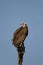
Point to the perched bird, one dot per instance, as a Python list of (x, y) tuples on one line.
[(20, 35)]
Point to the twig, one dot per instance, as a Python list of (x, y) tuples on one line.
[(21, 51)]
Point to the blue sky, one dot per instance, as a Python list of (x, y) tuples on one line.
[(12, 13)]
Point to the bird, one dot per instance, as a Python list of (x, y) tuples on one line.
[(20, 35)]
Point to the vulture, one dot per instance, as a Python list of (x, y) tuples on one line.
[(20, 35)]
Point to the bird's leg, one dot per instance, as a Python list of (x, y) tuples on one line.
[(21, 44)]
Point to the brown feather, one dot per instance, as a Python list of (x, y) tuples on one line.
[(19, 35)]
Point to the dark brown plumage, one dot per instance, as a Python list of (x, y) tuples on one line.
[(20, 35)]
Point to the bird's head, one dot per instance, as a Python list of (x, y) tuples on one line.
[(23, 25)]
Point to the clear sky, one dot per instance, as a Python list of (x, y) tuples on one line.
[(12, 13)]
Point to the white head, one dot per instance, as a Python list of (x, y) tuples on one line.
[(23, 25)]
